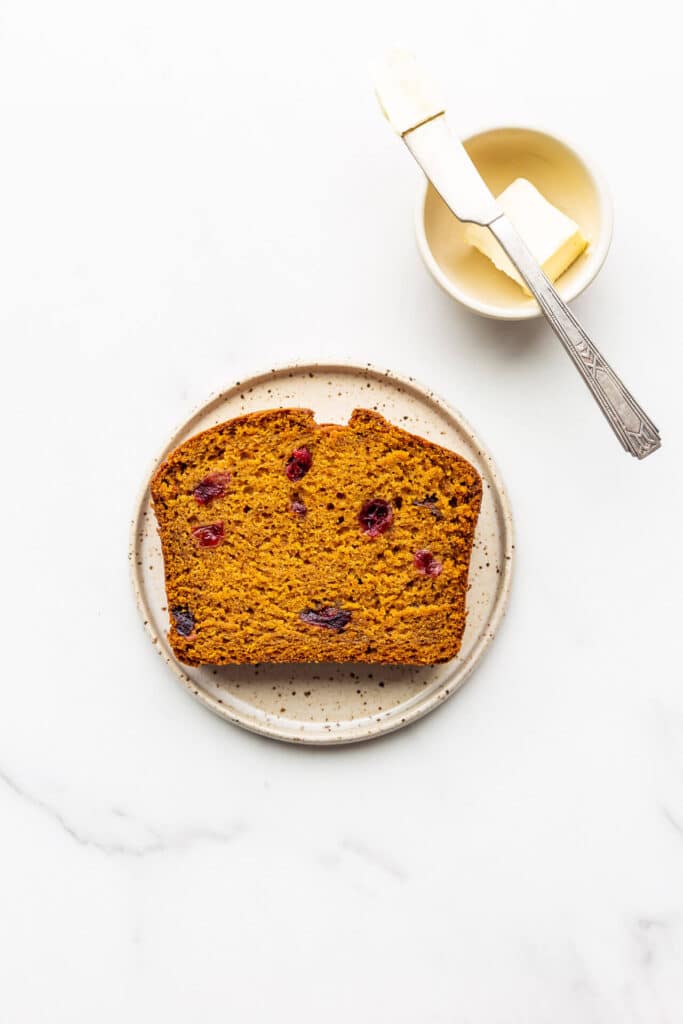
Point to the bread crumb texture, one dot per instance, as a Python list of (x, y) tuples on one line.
[(285, 540)]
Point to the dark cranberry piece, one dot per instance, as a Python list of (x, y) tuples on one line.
[(212, 486), (333, 617), (425, 563), (208, 536), (297, 507), (183, 620), (429, 502), (376, 516), (298, 464)]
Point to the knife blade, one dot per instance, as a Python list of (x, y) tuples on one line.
[(416, 112)]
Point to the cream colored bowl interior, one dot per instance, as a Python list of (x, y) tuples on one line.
[(564, 178)]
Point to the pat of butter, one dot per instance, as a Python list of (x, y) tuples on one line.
[(553, 238)]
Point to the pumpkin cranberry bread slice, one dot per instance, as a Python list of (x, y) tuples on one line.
[(285, 540)]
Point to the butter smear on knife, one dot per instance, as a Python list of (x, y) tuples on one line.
[(408, 98), (554, 239)]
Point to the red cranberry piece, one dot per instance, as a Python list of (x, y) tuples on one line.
[(297, 507), (298, 464), (212, 486), (429, 502), (425, 563), (183, 620), (332, 617), (376, 516), (208, 536)]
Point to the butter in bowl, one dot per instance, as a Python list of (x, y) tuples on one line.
[(556, 200)]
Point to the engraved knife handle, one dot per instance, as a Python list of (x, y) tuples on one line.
[(635, 430)]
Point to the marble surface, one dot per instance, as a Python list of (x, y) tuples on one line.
[(191, 193)]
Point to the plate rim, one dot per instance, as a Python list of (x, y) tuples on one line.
[(382, 726)]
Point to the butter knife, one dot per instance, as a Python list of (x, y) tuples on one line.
[(415, 110)]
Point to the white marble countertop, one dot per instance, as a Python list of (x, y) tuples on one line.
[(194, 192)]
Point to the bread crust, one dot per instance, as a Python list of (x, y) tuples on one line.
[(275, 584)]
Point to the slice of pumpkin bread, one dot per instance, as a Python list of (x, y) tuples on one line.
[(285, 540)]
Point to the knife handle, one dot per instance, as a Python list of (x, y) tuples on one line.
[(634, 429)]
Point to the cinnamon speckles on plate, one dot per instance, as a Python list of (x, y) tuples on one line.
[(326, 707)]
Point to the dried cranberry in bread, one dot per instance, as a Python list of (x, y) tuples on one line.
[(285, 540)]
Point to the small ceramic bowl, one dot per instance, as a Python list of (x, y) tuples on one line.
[(564, 177)]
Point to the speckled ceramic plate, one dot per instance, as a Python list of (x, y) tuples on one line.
[(337, 703)]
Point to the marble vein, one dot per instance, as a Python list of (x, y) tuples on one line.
[(156, 841), (673, 821), (648, 929), (376, 858)]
